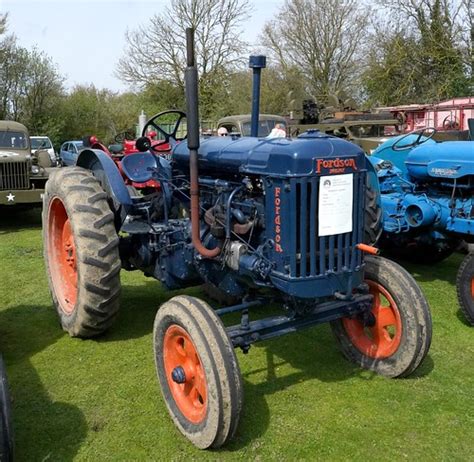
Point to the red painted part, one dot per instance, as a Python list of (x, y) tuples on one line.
[(62, 256), (383, 339), (191, 396), (98, 145), (368, 249)]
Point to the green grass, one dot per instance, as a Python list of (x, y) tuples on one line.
[(99, 399)]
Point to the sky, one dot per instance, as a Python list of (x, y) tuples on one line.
[(86, 38)]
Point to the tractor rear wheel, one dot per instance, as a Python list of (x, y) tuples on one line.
[(81, 252), (373, 216), (198, 371), (6, 431), (465, 287), (396, 337)]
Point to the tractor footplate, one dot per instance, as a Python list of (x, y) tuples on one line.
[(264, 329)]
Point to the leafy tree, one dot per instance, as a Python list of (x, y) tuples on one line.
[(321, 40), (418, 55), (156, 53)]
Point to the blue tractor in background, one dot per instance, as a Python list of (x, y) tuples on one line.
[(427, 191), (285, 222)]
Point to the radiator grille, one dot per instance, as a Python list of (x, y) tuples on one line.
[(311, 255), (14, 175)]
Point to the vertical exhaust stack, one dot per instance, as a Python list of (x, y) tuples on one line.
[(257, 63), (192, 109)]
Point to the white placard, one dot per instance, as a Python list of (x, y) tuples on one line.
[(335, 204)]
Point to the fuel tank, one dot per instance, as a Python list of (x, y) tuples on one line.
[(451, 159), (311, 153)]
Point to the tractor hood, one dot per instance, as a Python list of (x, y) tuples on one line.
[(309, 154), (451, 159)]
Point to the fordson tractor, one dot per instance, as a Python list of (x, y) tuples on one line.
[(427, 192), (270, 221)]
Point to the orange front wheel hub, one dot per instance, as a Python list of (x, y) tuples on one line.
[(185, 374), (62, 256), (380, 338)]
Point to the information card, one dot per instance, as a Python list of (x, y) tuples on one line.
[(335, 204)]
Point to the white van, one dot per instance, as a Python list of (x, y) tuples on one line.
[(43, 143)]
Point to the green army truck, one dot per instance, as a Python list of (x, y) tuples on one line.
[(23, 175)]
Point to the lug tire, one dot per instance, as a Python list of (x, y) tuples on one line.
[(217, 294), (87, 302), (465, 287), (6, 431), (373, 217), (412, 337), (211, 421)]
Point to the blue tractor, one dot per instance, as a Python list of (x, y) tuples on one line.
[(427, 191), (267, 221)]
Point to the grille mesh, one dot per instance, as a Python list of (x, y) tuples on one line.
[(14, 175)]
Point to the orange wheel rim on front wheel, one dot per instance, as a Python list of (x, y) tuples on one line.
[(185, 374), (382, 337), (62, 256)]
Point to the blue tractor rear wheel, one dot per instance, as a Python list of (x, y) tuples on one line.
[(465, 287)]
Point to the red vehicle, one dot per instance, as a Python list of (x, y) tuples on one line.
[(158, 135), (448, 117)]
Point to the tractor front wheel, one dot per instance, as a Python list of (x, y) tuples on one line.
[(465, 287), (198, 371), (81, 252), (395, 338)]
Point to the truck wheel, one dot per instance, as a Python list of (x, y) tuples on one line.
[(81, 252), (465, 287), (198, 371), (6, 431), (396, 338), (373, 217)]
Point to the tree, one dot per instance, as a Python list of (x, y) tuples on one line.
[(418, 55), (320, 39), (156, 53)]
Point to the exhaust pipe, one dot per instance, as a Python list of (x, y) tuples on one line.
[(257, 63), (192, 113)]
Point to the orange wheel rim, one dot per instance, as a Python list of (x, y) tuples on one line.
[(185, 374), (383, 338), (62, 256), (472, 288)]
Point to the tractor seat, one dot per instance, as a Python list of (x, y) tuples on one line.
[(139, 167)]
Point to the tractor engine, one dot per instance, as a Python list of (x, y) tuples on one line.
[(261, 201), (433, 190)]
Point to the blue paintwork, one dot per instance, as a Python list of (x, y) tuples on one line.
[(276, 157), (432, 196), (106, 171)]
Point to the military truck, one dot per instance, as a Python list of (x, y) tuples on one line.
[(23, 174)]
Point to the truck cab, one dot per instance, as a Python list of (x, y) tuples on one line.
[(23, 175)]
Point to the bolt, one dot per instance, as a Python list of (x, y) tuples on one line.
[(178, 375)]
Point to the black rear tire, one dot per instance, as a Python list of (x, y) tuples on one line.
[(373, 217), (410, 342), (211, 421), (90, 304), (6, 430), (465, 287)]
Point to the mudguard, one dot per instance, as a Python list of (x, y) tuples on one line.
[(105, 170)]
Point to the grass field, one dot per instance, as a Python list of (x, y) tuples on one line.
[(99, 399)]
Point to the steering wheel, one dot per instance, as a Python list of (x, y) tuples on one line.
[(126, 135), (450, 123), (426, 133), (169, 137)]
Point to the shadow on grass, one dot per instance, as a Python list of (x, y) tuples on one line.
[(445, 270), (14, 219), (43, 429)]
